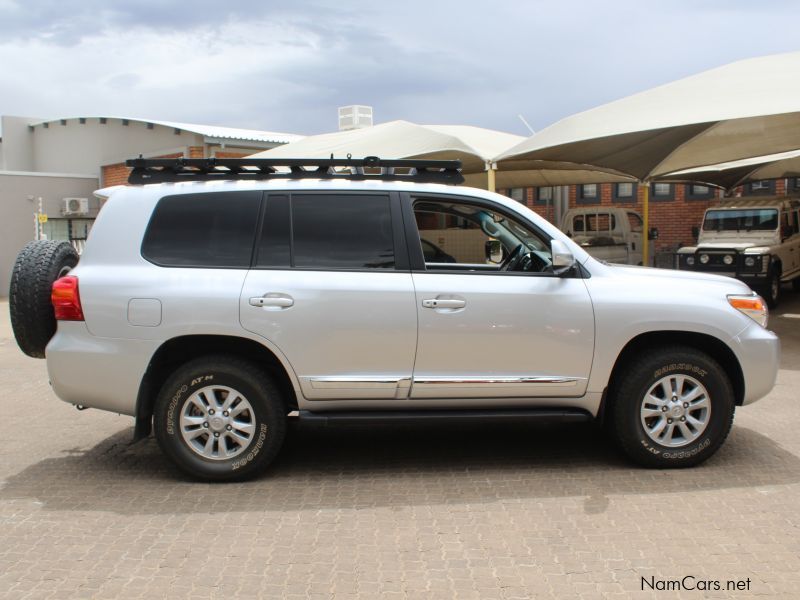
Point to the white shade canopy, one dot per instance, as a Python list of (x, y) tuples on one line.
[(473, 146), (731, 174), (740, 110)]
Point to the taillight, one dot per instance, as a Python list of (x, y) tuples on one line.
[(66, 299)]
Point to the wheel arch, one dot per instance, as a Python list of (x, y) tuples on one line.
[(714, 347), (179, 350)]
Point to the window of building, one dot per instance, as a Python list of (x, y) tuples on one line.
[(589, 193), (337, 231), (696, 191), (517, 194), (544, 195), (763, 187), (203, 230), (624, 192), (662, 191)]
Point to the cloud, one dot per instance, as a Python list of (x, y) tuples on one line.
[(287, 66)]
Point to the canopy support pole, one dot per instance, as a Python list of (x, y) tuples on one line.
[(490, 177), (646, 223)]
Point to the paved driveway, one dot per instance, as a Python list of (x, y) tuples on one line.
[(467, 512)]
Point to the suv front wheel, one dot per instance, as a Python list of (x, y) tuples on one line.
[(220, 418), (672, 408)]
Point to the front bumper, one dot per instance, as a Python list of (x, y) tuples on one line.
[(97, 372), (759, 354)]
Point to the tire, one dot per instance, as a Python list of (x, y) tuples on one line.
[(796, 284), (37, 266), (633, 408), (208, 382), (772, 289)]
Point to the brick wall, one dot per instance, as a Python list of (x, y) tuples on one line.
[(117, 174), (674, 218)]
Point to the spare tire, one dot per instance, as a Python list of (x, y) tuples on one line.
[(38, 265)]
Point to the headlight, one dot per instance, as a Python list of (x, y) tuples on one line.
[(753, 306), (704, 258), (727, 259), (750, 261), (690, 261)]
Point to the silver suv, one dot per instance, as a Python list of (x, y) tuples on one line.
[(230, 297)]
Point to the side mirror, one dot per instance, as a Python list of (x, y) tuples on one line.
[(786, 232), (695, 232), (494, 251), (563, 260), (653, 233)]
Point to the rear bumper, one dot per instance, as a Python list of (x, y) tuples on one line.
[(759, 353), (97, 372)]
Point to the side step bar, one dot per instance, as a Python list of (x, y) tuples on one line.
[(419, 417)]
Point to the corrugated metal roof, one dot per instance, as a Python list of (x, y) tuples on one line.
[(210, 131)]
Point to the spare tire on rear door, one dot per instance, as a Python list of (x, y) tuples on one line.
[(38, 265)]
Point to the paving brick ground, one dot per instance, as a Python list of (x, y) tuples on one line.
[(504, 512)]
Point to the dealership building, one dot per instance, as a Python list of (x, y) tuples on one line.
[(49, 169)]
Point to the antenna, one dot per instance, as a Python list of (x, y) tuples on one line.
[(524, 122)]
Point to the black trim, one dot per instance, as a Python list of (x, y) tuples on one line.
[(615, 197), (581, 199), (768, 191), (538, 200), (659, 198), (402, 262), (419, 417), (709, 195), (165, 170)]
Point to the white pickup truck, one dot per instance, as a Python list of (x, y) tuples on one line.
[(609, 233)]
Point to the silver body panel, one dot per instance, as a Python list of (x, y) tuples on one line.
[(353, 340)]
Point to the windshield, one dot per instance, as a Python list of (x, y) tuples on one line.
[(751, 219)]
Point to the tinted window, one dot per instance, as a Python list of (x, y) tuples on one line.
[(273, 247), (203, 230), (337, 231)]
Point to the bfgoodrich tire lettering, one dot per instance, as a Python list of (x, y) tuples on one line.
[(634, 420), (37, 266), (220, 418)]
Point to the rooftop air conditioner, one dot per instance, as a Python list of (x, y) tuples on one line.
[(75, 206)]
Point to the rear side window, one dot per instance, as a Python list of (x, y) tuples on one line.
[(337, 231), (203, 230)]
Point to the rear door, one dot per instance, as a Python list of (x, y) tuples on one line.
[(331, 289)]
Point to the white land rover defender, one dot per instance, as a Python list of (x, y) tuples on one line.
[(756, 240), (230, 296)]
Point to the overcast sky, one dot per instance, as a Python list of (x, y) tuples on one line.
[(286, 66)]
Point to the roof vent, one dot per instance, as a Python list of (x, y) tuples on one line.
[(354, 116)]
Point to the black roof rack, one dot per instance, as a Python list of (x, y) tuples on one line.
[(163, 170)]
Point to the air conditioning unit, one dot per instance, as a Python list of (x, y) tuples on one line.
[(354, 117), (75, 206)]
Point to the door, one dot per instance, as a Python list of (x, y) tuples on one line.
[(500, 329), (636, 237), (331, 289)]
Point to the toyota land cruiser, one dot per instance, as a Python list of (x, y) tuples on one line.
[(216, 299)]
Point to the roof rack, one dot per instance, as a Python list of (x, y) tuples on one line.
[(164, 170)]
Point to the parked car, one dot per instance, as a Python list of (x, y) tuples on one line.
[(756, 240), (214, 309), (611, 234)]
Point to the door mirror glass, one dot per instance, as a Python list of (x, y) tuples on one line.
[(563, 260), (494, 251)]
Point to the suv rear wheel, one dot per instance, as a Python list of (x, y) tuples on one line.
[(673, 408), (220, 418)]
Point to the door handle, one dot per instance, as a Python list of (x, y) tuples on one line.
[(272, 300), (443, 303)]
